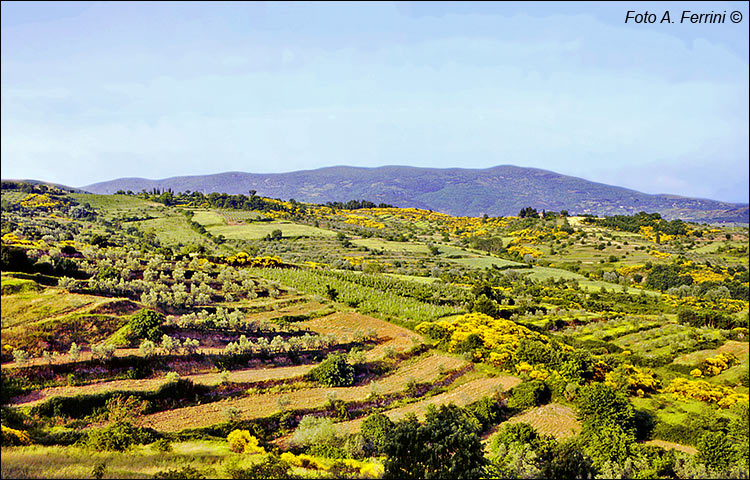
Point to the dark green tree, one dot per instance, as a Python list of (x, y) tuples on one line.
[(377, 429), (146, 324), (334, 371), (447, 445)]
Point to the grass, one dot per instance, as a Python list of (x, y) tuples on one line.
[(30, 307), (152, 384), (10, 285), (172, 230), (389, 246), (208, 218), (140, 462), (345, 324), (254, 406), (257, 231), (669, 409), (464, 394), (13, 196), (114, 203)]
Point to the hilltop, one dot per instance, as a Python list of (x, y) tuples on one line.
[(496, 191)]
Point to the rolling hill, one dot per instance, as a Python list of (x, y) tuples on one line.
[(501, 190)]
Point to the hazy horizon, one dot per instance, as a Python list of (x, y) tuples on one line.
[(92, 92)]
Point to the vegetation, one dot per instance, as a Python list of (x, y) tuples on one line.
[(184, 335)]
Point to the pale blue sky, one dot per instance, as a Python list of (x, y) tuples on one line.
[(96, 91)]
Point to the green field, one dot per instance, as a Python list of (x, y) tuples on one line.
[(115, 203), (257, 231), (209, 218), (172, 230), (389, 246)]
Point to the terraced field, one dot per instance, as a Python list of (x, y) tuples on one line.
[(461, 395), (151, 384), (551, 419), (423, 369), (349, 324), (30, 307)]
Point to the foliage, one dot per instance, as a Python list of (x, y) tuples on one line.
[(724, 397), (377, 428), (601, 404), (634, 380), (146, 324), (240, 441), (334, 371), (13, 437), (716, 451), (119, 437), (271, 467), (529, 394), (518, 433), (564, 460), (447, 445), (314, 430)]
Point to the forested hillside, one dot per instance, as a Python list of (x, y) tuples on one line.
[(502, 190)]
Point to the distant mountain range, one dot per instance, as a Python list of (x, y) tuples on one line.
[(501, 190)]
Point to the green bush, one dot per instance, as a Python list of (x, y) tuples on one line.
[(529, 394), (119, 437), (334, 371), (377, 428), (514, 433), (716, 451), (327, 451), (146, 324), (315, 430), (163, 445)]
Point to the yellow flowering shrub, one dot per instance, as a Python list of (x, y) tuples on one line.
[(701, 390), (499, 336), (716, 365), (633, 379), (240, 441), (13, 437)]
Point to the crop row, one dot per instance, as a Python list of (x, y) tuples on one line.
[(367, 299)]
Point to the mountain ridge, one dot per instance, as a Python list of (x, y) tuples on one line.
[(498, 190)]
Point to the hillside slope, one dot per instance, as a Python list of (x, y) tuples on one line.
[(501, 190)]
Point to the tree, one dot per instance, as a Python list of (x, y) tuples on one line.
[(20, 356), (515, 433), (529, 394), (240, 441), (447, 445), (314, 430), (564, 460), (377, 429), (716, 451), (146, 324), (602, 404), (334, 371), (75, 351)]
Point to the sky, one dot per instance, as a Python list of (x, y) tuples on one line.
[(97, 91)]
